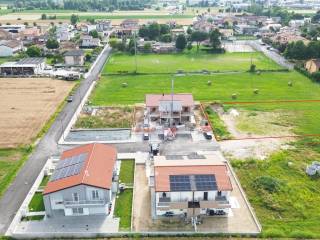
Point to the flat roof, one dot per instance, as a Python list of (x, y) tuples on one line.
[(153, 100)]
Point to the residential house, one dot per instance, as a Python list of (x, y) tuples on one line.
[(203, 26), (88, 41), (296, 23), (103, 25), (82, 182), (25, 66), (312, 65), (127, 28), (163, 107), (64, 33), (245, 29), (191, 185), (87, 28), (74, 58), (226, 33), (9, 47), (30, 34)]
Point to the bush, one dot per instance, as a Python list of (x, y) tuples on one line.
[(234, 96), (290, 84), (209, 83), (267, 183), (256, 91), (252, 68), (124, 85)]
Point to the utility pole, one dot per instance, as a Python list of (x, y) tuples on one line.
[(172, 92), (135, 52)]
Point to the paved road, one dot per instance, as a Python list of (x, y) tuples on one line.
[(14, 196), (271, 54)]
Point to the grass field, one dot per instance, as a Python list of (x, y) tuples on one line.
[(36, 204), (127, 171), (291, 209), (192, 61), (271, 85)]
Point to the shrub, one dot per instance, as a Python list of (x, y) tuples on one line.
[(252, 68), (290, 84), (209, 83), (267, 183), (256, 91), (234, 96), (124, 85)]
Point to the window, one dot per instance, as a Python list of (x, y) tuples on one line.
[(75, 197), (219, 193), (95, 194), (164, 195), (205, 196), (76, 211)]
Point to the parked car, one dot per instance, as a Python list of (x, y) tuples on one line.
[(70, 98), (146, 136), (168, 214), (207, 135)]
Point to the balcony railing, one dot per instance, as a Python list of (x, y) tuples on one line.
[(84, 202)]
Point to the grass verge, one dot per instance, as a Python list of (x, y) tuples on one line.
[(123, 208), (219, 129), (36, 204), (127, 171)]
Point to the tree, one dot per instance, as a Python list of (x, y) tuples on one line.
[(164, 29), (189, 46), (113, 43), (94, 33), (181, 42), (215, 39), (44, 16), (34, 51), (88, 57), (154, 31), (143, 31), (147, 47), (198, 37), (189, 30), (165, 38), (74, 19), (52, 43)]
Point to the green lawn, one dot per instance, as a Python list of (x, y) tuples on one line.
[(293, 209), (188, 61), (44, 181), (271, 85), (36, 204), (219, 129), (10, 161), (127, 171), (124, 199), (123, 209)]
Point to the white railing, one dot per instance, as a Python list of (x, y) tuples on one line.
[(84, 202)]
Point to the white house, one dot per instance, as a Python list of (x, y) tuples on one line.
[(191, 185), (9, 47), (82, 182), (89, 41)]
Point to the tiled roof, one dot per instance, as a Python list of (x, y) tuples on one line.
[(97, 169), (153, 100)]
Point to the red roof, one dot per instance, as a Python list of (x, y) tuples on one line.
[(97, 169), (162, 175), (153, 100)]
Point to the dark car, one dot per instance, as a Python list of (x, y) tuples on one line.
[(70, 99), (207, 135), (168, 214), (146, 136)]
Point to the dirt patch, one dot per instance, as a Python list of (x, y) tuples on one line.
[(105, 117), (244, 124), (26, 104)]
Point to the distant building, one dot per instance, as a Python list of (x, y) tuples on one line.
[(176, 32), (5, 35), (163, 107), (312, 65), (191, 185), (103, 25), (13, 28), (245, 29), (226, 33), (128, 27), (89, 41), (30, 34), (82, 182), (25, 66), (64, 33), (74, 58), (9, 47)]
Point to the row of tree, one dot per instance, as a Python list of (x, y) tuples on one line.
[(82, 5), (300, 51)]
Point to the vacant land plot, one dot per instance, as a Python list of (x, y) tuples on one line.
[(26, 104), (188, 61), (272, 86), (106, 117), (285, 199)]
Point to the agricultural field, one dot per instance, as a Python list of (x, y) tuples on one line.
[(26, 105), (188, 61)]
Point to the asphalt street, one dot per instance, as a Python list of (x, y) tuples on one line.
[(47, 146)]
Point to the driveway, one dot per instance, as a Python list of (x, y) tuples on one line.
[(15, 194)]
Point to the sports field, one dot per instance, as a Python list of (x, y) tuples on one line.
[(188, 61)]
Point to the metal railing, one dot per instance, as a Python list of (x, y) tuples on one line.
[(84, 202)]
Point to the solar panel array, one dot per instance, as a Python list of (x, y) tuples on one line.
[(204, 182), (180, 183), (69, 167)]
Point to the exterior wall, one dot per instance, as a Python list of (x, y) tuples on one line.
[(63, 201), (6, 51), (311, 67), (74, 60)]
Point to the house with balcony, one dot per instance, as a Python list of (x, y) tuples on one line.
[(83, 182), (191, 185), (163, 107)]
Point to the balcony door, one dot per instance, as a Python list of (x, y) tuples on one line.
[(205, 196), (75, 197)]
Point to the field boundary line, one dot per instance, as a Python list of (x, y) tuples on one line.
[(274, 101)]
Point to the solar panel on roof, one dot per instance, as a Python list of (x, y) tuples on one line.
[(180, 183), (69, 166), (205, 182)]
